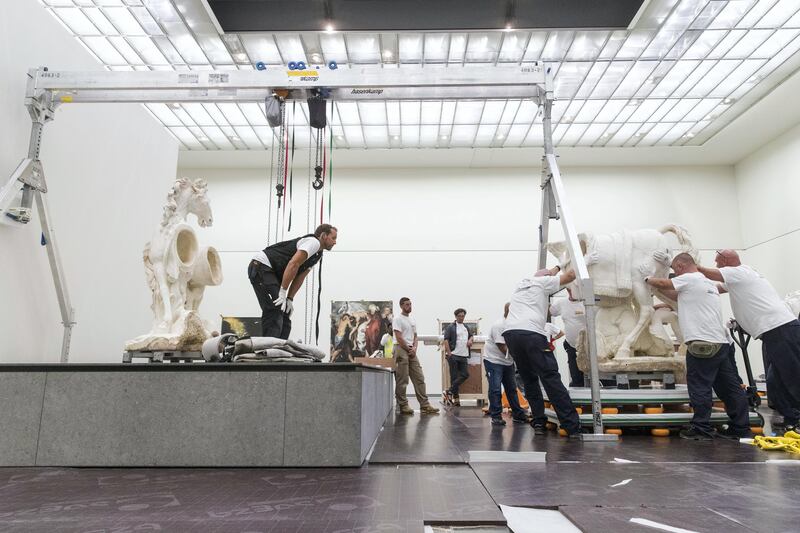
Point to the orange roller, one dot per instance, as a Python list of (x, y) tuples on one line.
[(653, 410), (610, 411), (659, 432), (613, 431), (757, 430), (580, 410), (562, 432)]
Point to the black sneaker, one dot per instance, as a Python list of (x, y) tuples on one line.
[(731, 434), (692, 433), (447, 398), (497, 421), (539, 429), (520, 420), (576, 434), (783, 429)]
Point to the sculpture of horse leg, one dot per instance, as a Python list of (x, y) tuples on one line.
[(163, 289), (644, 301)]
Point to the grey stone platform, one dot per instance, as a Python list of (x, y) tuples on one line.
[(191, 414)]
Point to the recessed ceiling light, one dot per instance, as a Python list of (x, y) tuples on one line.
[(728, 101), (634, 103), (235, 138), (443, 137), (316, 58), (689, 135), (387, 54), (753, 79), (395, 137), (508, 27), (329, 28), (339, 138), (500, 136), (175, 106), (202, 138), (605, 135), (240, 57), (638, 134)]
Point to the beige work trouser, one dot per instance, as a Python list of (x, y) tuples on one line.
[(408, 367)]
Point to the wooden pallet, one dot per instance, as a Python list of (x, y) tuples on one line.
[(162, 356)]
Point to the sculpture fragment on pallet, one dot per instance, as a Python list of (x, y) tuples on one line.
[(178, 270)]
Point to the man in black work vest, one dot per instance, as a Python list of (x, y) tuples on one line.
[(278, 272)]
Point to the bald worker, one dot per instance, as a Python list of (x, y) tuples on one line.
[(708, 361), (764, 315)]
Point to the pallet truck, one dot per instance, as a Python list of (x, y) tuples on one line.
[(742, 340)]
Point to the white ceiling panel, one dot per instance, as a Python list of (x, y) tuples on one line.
[(659, 83)]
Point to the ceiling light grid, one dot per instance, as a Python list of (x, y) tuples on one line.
[(682, 68)]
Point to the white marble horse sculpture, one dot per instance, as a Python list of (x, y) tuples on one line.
[(626, 322), (178, 271)]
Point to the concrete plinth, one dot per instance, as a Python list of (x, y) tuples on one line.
[(191, 414)]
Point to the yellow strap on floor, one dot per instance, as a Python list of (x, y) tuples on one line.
[(790, 442)]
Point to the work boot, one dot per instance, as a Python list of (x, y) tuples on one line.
[(429, 410), (692, 433), (406, 410), (456, 400)]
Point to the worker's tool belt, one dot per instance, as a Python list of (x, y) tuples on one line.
[(703, 349)]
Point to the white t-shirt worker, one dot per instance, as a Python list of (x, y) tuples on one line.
[(755, 303), (573, 314), (700, 311), (491, 352), (407, 326), (529, 304)]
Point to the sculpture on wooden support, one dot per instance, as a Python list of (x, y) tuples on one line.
[(630, 332), (178, 270)]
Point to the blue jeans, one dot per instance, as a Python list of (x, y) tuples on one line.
[(502, 375)]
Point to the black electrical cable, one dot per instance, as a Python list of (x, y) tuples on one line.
[(319, 299)]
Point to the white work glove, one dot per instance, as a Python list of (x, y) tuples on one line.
[(281, 300), (289, 307), (662, 257), (592, 258)]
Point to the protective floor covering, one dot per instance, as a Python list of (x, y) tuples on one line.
[(418, 475)]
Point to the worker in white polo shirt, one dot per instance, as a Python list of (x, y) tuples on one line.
[(573, 314), (764, 315), (708, 361)]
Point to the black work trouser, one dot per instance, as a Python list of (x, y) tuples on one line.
[(575, 374), (718, 373), (459, 372), (529, 350), (781, 348), (274, 322)]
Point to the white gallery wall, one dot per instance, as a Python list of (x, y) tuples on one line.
[(108, 169), (768, 184), (449, 237)]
